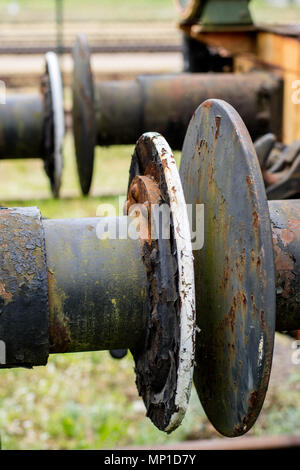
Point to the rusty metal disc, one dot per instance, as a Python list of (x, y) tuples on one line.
[(164, 362), (55, 166), (83, 112), (234, 271)]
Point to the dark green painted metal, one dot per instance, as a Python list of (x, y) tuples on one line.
[(234, 271), (214, 13), (97, 287), (225, 12), (21, 127), (285, 219), (24, 316), (189, 10)]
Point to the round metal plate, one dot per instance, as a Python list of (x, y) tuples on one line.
[(56, 90), (83, 112), (234, 271), (169, 348)]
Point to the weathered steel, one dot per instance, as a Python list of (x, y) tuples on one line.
[(280, 166), (164, 364), (110, 113), (21, 122), (110, 287), (97, 287), (234, 272), (23, 288), (32, 125), (165, 103), (84, 125), (285, 220)]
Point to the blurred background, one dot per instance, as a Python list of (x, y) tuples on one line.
[(86, 401)]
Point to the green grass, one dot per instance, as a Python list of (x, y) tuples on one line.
[(27, 179), (126, 10), (93, 10)]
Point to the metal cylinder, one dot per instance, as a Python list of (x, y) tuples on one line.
[(285, 220), (118, 110), (97, 287), (23, 288), (22, 127), (166, 103)]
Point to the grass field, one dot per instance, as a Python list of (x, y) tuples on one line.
[(88, 401), (125, 10)]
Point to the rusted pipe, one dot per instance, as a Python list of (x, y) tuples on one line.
[(96, 287), (165, 103), (109, 113), (98, 283), (32, 125), (22, 127)]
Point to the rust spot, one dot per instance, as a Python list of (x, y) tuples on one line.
[(248, 180), (287, 236), (253, 398), (218, 123), (145, 191), (207, 104), (294, 224), (7, 296), (262, 318), (225, 277), (59, 333), (255, 219), (164, 163)]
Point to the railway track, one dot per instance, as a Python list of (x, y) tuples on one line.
[(103, 49), (103, 37)]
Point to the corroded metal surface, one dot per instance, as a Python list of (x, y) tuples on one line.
[(54, 127), (97, 286), (115, 113), (21, 123), (23, 288), (84, 129), (234, 272), (32, 125), (280, 166), (165, 104), (164, 363), (285, 219)]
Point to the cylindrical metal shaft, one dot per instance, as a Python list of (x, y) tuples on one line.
[(285, 220), (66, 288), (97, 287), (22, 127), (165, 104)]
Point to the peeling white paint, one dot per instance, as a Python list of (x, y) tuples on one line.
[(56, 89), (182, 237)]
